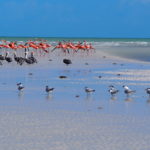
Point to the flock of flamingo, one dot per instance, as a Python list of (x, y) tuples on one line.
[(45, 46)]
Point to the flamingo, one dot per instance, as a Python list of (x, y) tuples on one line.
[(12, 45)]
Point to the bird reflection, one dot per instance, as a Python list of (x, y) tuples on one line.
[(89, 97), (148, 101), (20, 95), (49, 97), (128, 99), (113, 98)]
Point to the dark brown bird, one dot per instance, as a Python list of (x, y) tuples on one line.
[(67, 61), (7, 58)]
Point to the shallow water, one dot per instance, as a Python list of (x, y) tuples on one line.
[(64, 95), (80, 75), (133, 53)]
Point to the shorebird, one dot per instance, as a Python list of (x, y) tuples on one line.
[(67, 61), (27, 60), (19, 60), (7, 58), (127, 90), (48, 90), (2, 57), (32, 58), (89, 90), (112, 90), (148, 91), (20, 86)]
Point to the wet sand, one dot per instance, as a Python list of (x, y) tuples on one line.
[(65, 130), (64, 121)]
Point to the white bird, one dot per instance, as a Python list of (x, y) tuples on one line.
[(148, 91), (112, 90), (20, 86), (127, 90), (89, 90)]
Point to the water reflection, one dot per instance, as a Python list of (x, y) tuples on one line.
[(148, 101), (49, 97), (89, 97), (20, 95), (128, 99), (113, 98)]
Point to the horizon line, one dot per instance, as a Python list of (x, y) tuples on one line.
[(75, 37)]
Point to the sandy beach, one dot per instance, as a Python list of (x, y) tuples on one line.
[(69, 119)]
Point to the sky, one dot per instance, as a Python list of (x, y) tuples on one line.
[(75, 18)]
